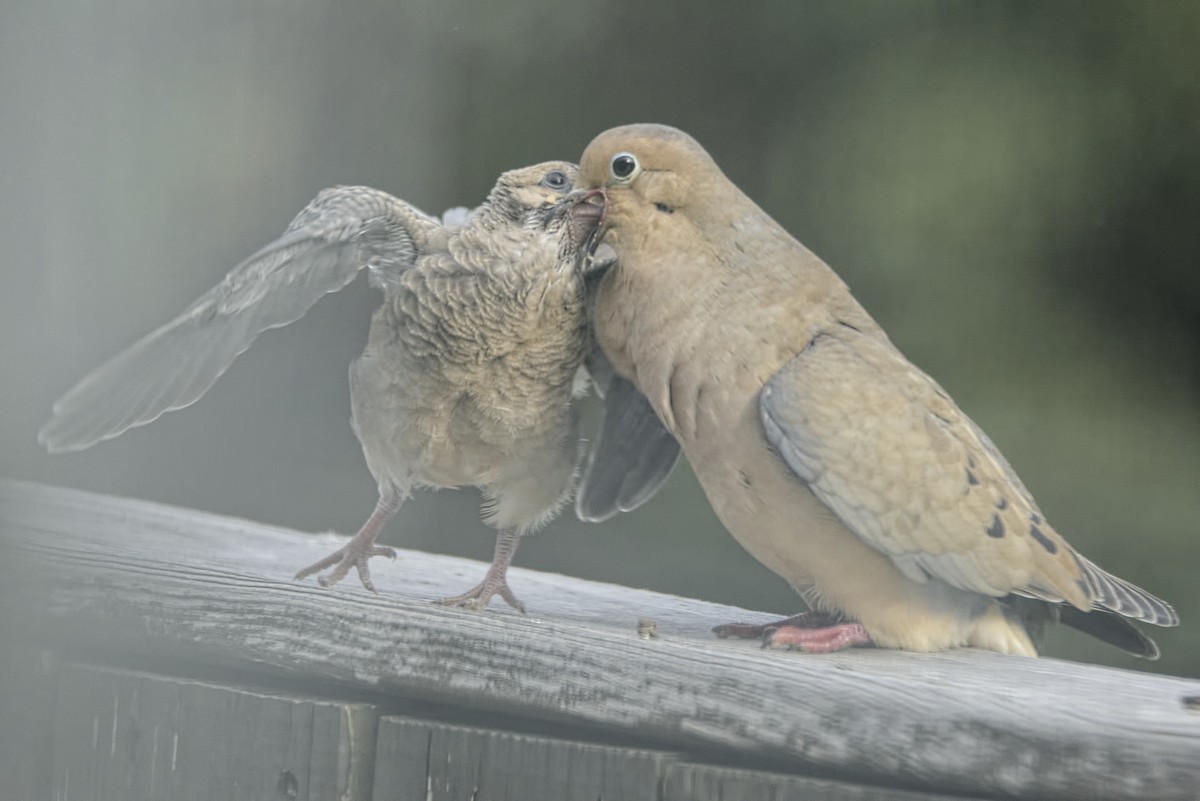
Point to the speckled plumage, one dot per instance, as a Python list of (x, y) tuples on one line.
[(467, 376), (829, 456), (468, 372)]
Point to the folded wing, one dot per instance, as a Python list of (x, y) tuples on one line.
[(633, 453), (885, 448)]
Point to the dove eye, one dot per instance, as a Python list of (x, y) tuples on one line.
[(556, 179), (624, 167)]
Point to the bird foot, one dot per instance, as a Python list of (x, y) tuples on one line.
[(353, 554), (753, 631), (817, 641), (478, 597), (811, 632)]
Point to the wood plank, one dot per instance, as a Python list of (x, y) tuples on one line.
[(26, 709), (124, 736), (156, 582), (689, 782), (422, 760)]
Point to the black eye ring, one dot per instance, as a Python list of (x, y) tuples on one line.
[(556, 179), (624, 167)]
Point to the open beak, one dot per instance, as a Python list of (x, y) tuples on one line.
[(580, 195), (586, 217)]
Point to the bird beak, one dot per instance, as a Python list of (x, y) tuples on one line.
[(586, 217), (580, 195)]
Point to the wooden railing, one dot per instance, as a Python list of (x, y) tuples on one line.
[(150, 652)]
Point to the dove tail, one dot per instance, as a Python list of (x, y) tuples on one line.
[(1109, 627), (1117, 595)]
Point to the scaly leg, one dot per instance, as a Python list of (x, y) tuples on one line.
[(496, 581), (811, 632), (756, 631), (360, 548), (817, 641)]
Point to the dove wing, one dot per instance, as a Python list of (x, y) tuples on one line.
[(884, 447), (343, 230), (633, 453)]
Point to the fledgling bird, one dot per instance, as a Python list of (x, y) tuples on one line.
[(830, 457), (468, 372)]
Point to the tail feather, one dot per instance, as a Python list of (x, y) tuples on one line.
[(1110, 627), (1107, 626), (1117, 595)]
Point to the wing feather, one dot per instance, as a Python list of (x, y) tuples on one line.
[(887, 450), (341, 231)]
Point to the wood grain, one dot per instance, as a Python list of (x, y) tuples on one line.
[(123, 735), (439, 762), (85, 571)]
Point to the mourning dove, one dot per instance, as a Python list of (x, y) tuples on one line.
[(830, 457), (468, 373)]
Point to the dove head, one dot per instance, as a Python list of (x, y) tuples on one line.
[(655, 177), (532, 197)]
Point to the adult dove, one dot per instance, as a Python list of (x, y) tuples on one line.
[(829, 456), (468, 373)]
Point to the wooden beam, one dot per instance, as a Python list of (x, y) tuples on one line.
[(162, 585), (121, 735), (440, 762)]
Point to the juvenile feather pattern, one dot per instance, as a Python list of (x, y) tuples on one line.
[(468, 374)]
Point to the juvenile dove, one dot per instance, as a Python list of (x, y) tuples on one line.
[(830, 457), (467, 376)]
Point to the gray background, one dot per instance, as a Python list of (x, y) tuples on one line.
[(1012, 189)]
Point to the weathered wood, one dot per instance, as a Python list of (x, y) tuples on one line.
[(422, 760), (26, 698), (430, 761), (87, 571), (123, 736), (688, 782)]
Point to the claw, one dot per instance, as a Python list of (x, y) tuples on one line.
[(754, 631), (816, 640), (478, 597), (351, 555), (360, 548), (812, 632), (496, 580)]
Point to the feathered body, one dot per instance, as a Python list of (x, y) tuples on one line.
[(468, 372), (829, 456)]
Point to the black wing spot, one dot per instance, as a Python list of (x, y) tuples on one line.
[(744, 479), (1042, 539), (664, 208), (1035, 518), (996, 529), (1002, 504), (971, 479)]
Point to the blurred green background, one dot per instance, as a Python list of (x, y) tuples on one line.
[(1011, 188)]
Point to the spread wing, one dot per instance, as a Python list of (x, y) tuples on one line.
[(341, 231), (884, 447), (633, 453)]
